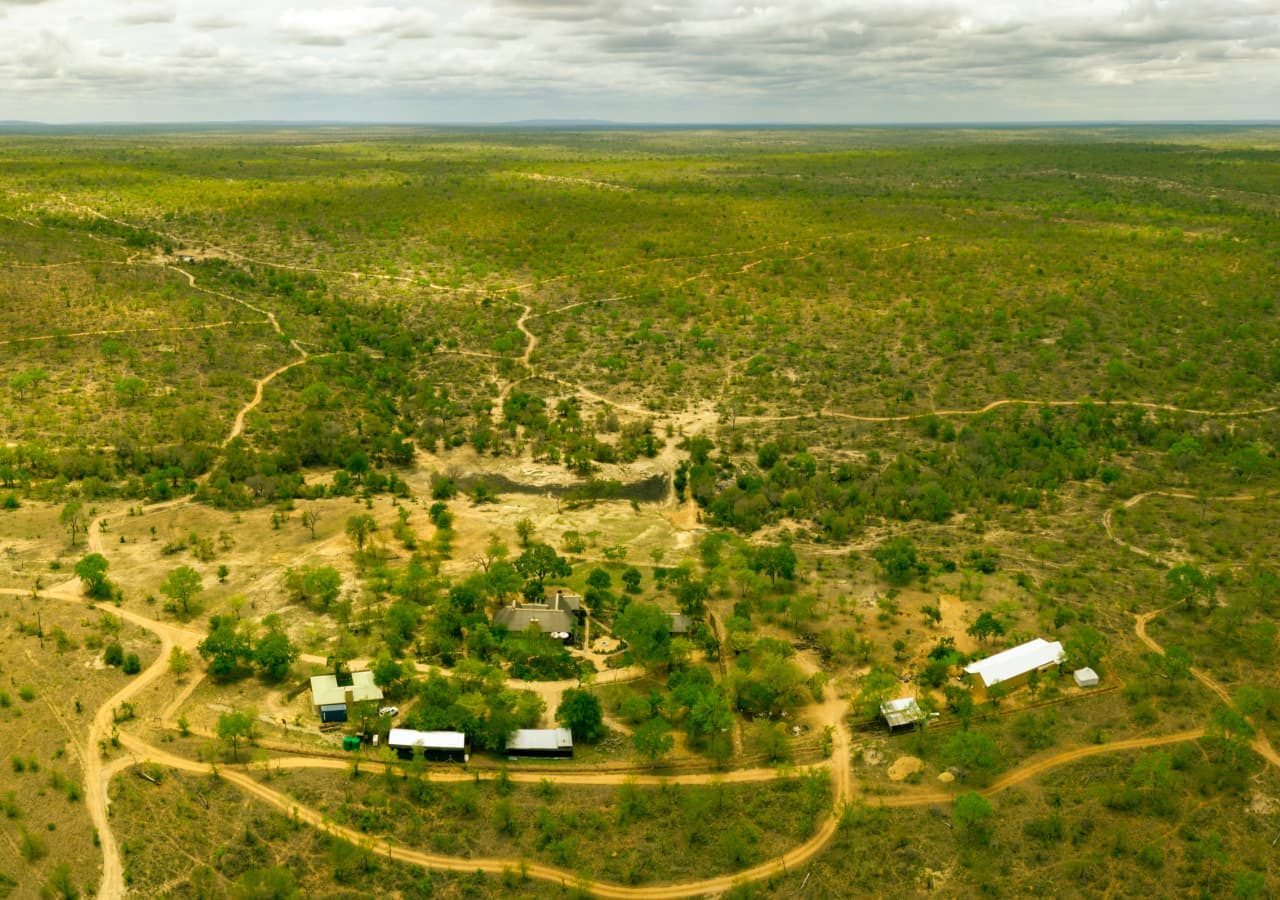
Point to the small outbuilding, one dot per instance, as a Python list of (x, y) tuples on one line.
[(904, 712), (1085, 677), (680, 624), (546, 743), (437, 746), (332, 695), (1012, 667)]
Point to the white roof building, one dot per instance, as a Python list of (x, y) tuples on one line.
[(432, 740), (1085, 677), (540, 740), (1021, 660), (350, 687)]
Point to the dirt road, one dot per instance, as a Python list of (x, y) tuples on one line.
[(97, 776), (1260, 744)]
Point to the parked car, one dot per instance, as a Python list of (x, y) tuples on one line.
[(389, 711)]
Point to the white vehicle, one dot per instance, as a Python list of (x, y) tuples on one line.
[(389, 711)]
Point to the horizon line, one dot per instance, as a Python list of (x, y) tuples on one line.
[(571, 123)]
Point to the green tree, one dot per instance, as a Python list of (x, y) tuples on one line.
[(72, 518), (317, 586), (972, 814), (236, 726), (181, 586), (27, 379), (972, 750), (1185, 453), (360, 528), (692, 598), (1187, 585), (227, 648), (129, 388), (502, 580), (776, 561), (646, 628), (631, 580), (274, 655), (92, 571), (898, 558), (179, 662), (1085, 646), (539, 562), (389, 673), (875, 688), (653, 741), (599, 579), (524, 531), (985, 627), (580, 712)]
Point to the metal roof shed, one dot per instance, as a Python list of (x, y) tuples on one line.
[(441, 746), (1016, 662), (901, 713), (541, 742)]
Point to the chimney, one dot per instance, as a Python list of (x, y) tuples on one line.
[(558, 592), (349, 697)]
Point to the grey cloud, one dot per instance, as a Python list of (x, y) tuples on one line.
[(771, 59), (147, 15)]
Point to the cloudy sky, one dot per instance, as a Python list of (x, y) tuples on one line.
[(637, 60)]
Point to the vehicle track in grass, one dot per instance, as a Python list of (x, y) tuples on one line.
[(160, 329), (1108, 526)]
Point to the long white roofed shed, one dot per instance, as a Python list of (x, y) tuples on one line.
[(438, 745), (1016, 662), (540, 742)]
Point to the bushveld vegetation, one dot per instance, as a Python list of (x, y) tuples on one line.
[(861, 405)]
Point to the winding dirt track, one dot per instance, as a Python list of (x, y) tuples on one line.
[(237, 427), (1260, 744), (1039, 767), (97, 776), (794, 857), (1178, 495)]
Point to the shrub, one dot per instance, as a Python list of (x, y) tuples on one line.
[(113, 655)]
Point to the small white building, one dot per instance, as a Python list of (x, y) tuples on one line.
[(1012, 667), (1085, 677)]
